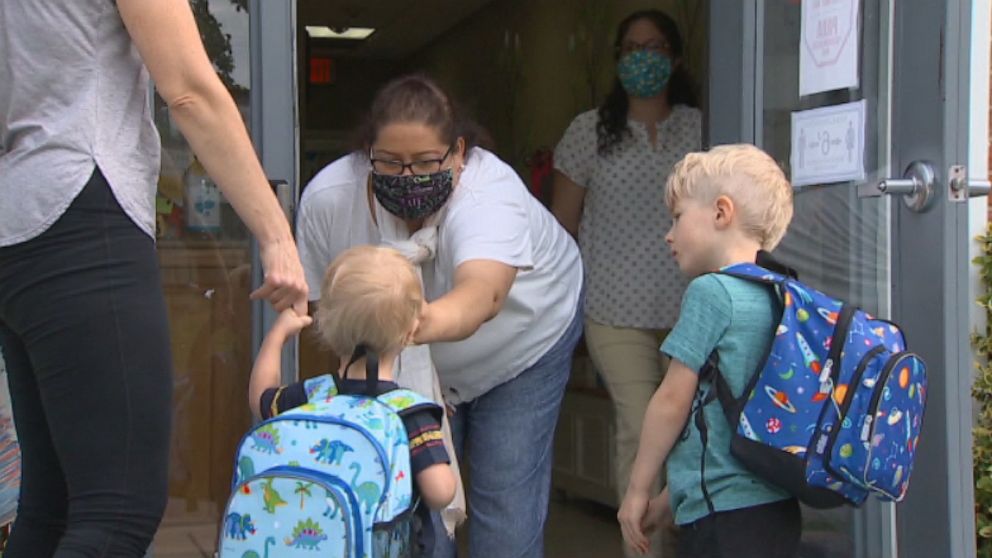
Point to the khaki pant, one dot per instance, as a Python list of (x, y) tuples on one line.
[(632, 368)]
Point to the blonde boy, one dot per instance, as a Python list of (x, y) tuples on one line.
[(728, 204), (371, 298)]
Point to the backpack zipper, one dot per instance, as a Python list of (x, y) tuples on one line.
[(844, 319), (837, 345), (869, 426), (327, 420)]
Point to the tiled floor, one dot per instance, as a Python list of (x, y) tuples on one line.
[(574, 529)]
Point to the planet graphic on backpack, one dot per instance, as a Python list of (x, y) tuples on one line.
[(780, 399)]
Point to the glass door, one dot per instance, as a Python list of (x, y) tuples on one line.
[(838, 241), (209, 266), (848, 238)]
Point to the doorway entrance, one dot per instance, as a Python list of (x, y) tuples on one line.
[(524, 69)]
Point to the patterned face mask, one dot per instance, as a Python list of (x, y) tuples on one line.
[(644, 73), (413, 196)]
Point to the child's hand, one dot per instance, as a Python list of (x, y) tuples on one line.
[(631, 516), (659, 513), (289, 323)]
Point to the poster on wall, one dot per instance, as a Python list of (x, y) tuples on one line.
[(828, 144), (828, 45)]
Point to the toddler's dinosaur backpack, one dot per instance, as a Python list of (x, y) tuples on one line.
[(328, 478), (834, 412)]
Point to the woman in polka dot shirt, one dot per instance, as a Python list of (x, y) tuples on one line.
[(611, 166)]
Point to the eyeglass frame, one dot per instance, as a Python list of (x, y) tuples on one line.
[(661, 46), (404, 166)]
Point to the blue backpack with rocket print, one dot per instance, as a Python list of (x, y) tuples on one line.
[(328, 478), (834, 412)]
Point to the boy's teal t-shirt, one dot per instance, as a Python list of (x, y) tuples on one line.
[(736, 317)]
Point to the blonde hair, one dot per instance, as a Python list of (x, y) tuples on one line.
[(747, 175), (371, 296)]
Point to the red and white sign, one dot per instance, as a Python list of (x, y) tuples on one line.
[(828, 46)]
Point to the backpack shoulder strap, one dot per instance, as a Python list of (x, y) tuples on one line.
[(754, 273), (766, 269), (404, 401), (709, 378)]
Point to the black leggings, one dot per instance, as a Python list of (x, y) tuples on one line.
[(85, 338)]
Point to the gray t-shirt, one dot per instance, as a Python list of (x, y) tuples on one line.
[(631, 278), (74, 95)]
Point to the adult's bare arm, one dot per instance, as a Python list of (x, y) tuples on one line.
[(166, 36), (480, 289)]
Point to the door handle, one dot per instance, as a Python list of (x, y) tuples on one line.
[(284, 194), (960, 187), (916, 186)]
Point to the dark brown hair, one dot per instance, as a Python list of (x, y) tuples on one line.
[(612, 126), (417, 98)]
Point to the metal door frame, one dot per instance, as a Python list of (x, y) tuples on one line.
[(275, 133)]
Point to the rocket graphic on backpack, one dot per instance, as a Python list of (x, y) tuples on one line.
[(834, 413), (328, 478)]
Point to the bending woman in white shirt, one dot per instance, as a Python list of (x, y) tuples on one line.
[(504, 292)]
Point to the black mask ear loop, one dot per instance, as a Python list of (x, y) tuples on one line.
[(371, 368)]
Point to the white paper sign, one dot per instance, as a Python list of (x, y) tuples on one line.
[(828, 45), (828, 144)]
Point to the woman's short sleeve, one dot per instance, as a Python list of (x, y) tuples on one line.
[(575, 154), (491, 227)]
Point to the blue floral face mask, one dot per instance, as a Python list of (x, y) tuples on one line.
[(644, 73)]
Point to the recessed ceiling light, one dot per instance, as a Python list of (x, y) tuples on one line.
[(347, 33)]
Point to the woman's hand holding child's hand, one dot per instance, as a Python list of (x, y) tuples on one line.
[(289, 323)]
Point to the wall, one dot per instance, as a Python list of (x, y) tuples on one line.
[(330, 113), (525, 68), (340, 105)]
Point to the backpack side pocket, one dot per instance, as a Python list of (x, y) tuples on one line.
[(877, 442)]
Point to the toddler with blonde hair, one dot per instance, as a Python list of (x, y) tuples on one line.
[(370, 306)]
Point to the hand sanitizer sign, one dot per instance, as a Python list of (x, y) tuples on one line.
[(202, 201)]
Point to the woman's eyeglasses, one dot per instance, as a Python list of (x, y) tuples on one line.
[(427, 166), (657, 45)]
